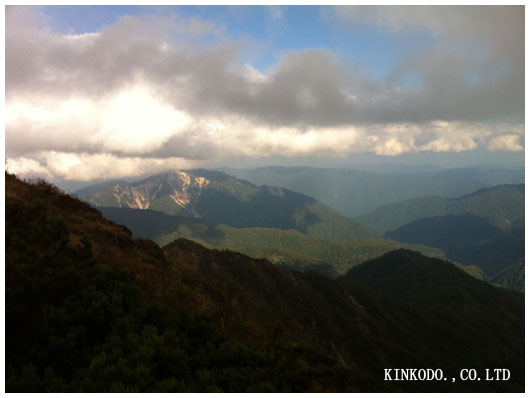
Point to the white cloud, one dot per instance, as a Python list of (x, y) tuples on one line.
[(130, 121), (135, 121), (24, 166), (85, 167), (509, 142), (218, 139), (253, 75), (146, 95)]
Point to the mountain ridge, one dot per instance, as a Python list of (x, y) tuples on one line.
[(502, 205), (220, 198), (356, 192)]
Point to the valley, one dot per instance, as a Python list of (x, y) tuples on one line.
[(258, 317), (285, 248), (484, 228), (480, 231)]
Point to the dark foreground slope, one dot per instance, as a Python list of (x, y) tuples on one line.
[(439, 295), (88, 308)]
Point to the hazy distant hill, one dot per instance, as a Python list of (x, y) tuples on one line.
[(221, 198), (355, 192), (502, 206), (89, 308), (488, 176)]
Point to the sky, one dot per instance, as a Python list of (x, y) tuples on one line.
[(104, 92)]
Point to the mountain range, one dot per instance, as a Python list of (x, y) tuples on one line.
[(90, 308), (481, 231), (484, 228), (220, 198), (502, 206), (356, 192)]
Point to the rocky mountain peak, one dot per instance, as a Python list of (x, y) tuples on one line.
[(180, 186)]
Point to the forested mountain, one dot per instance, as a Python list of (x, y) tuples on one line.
[(502, 206), (286, 248), (356, 192), (220, 198), (471, 240), (484, 228), (89, 308)]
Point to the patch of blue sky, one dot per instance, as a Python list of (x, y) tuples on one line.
[(297, 28), (80, 19), (272, 31)]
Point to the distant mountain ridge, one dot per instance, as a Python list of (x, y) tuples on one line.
[(502, 206), (220, 198), (356, 192)]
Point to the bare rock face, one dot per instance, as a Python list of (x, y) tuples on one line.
[(186, 187), (183, 188)]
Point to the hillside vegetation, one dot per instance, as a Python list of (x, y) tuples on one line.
[(89, 308), (287, 248), (471, 240)]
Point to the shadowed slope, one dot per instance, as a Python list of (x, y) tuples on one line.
[(311, 333)]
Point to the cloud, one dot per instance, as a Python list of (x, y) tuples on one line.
[(131, 121), (86, 167), (27, 166), (153, 91), (501, 28), (474, 69), (509, 142)]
